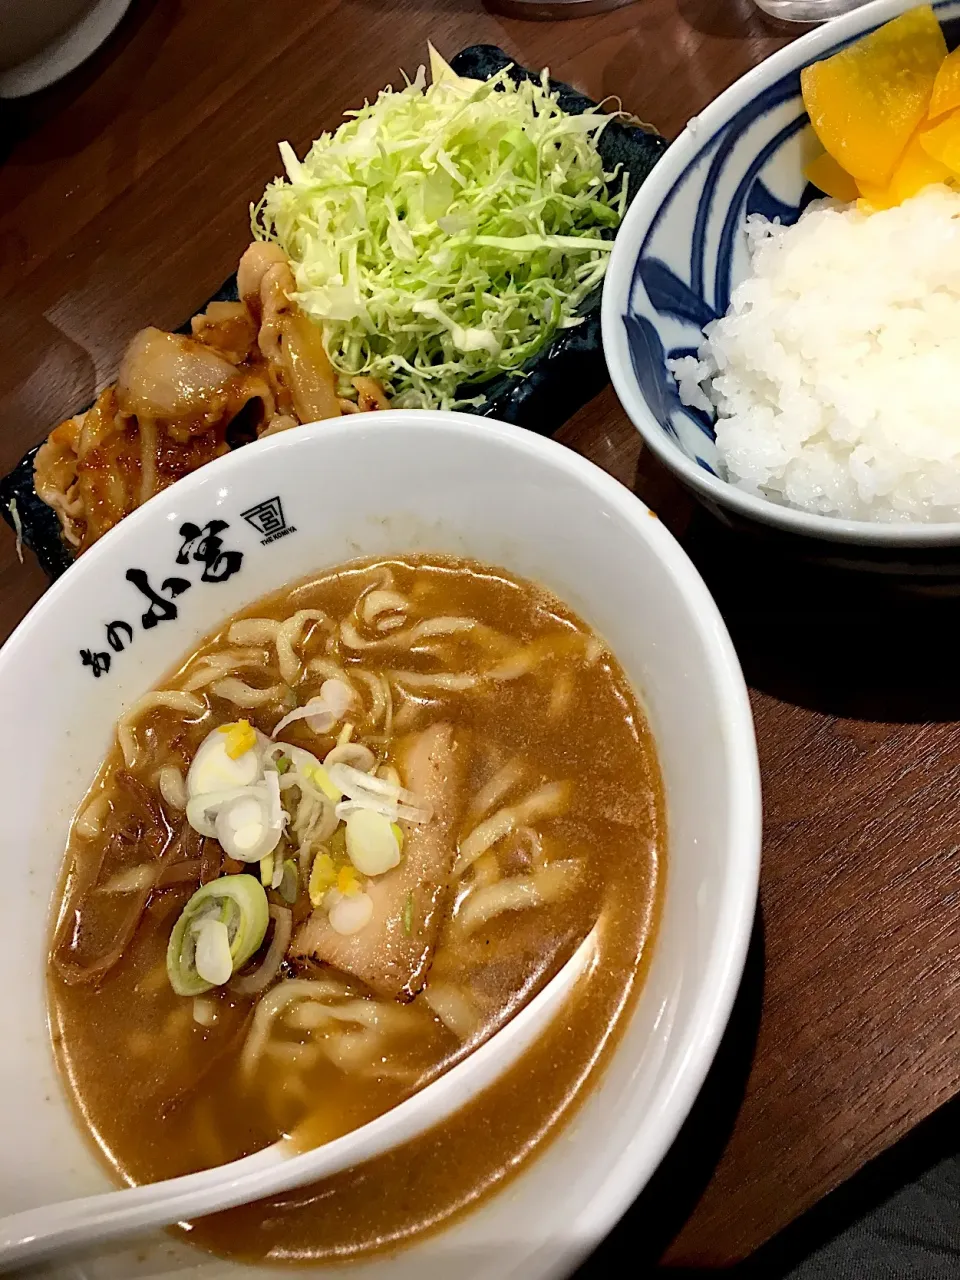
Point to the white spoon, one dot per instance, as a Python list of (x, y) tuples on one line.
[(37, 1233)]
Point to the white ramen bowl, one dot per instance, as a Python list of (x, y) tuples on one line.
[(300, 502)]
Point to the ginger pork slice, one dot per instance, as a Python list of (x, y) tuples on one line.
[(392, 953)]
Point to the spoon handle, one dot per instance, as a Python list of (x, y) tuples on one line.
[(36, 1233)]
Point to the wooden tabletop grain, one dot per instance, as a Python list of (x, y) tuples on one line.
[(123, 201)]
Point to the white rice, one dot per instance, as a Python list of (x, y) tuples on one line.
[(836, 372)]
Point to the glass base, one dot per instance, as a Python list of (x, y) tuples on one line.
[(807, 10)]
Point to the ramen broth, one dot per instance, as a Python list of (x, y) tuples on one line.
[(474, 717)]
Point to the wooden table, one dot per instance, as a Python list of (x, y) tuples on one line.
[(123, 202)]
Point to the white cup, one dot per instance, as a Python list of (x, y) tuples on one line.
[(807, 10), (42, 40)]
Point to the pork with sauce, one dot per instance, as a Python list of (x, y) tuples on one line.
[(250, 368)]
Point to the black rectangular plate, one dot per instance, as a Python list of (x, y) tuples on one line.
[(557, 382)]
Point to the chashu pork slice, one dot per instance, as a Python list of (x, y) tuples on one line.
[(392, 953)]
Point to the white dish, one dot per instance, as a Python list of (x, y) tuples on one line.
[(63, 50), (294, 504)]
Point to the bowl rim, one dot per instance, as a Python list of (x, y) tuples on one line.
[(631, 1168), (640, 217)]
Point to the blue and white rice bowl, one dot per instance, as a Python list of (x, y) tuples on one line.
[(681, 252)]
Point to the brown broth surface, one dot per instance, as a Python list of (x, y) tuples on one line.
[(162, 1095)]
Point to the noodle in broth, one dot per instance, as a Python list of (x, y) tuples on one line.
[(478, 720)]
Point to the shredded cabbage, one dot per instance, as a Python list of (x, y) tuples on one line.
[(444, 233)]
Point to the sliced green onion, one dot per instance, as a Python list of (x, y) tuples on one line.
[(350, 913), (408, 913), (372, 846), (239, 904), (212, 956), (290, 884)]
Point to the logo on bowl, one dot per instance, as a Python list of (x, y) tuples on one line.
[(268, 519), (203, 545)]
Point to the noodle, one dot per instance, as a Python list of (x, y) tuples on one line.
[(173, 699), (249, 984), (352, 1051), (548, 885), (486, 871), (130, 881), (492, 792), (244, 695), (439, 626), (388, 715), (292, 1055), (560, 695), (482, 838), (172, 787), (89, 823), (288, 635), (454, 1009), (448, 681), (354, 754), (272, 1005), (377, 697), (366, 1013), (253, 631), (547, 802), (329, 669), (213, 666), (531, 655), (381, 601)]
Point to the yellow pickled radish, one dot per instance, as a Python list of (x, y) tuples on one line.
[(942, 143), (916, 169), (873, 199), (828, 177), (946, 88), (866, 101)]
